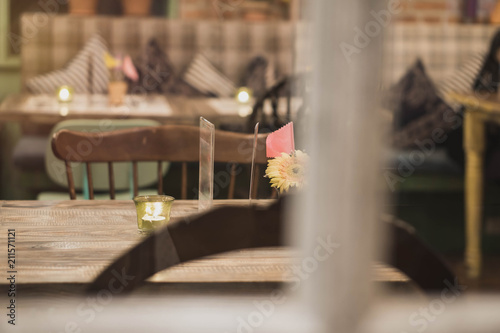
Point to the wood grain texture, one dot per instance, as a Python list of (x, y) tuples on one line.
[(65, 243)]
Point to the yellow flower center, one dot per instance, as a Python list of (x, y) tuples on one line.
[(294, 172)]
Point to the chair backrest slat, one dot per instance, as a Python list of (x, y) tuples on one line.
[(89, 180), (184, 181), (111, 175), (230, 192), (172, 143), (71, 183), (136, 178), (160, 179)]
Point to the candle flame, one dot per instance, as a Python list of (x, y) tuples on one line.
[(64, 94), (155, 209), (243, 97)]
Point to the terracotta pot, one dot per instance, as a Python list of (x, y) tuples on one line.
[(136, 7), (116, 92), (256, 11), (82, 7), (495, 14)]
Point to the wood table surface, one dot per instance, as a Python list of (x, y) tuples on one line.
[(185, 110), (61, 246)]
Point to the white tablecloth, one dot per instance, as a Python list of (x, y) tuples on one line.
[(230, 107), (136, 105)]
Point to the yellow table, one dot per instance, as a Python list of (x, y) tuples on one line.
[(479, 108)]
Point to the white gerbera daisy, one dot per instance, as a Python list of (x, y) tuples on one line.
[(287, 170)]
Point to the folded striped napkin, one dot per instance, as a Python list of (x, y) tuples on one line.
[(204, 76), (86, 72)]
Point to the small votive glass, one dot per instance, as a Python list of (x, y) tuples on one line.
[(153, 211)]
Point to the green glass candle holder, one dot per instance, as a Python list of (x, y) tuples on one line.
[(153, 211)]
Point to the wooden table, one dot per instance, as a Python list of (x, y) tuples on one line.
[(62, 246), (45, 110), (172, 109), (479, 108)]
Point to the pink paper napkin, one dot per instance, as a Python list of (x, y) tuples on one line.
[(280, 141)]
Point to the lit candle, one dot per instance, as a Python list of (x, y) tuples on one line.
[(152, 218), (153, 211), (149, 221), (65, 94), (243, 95)]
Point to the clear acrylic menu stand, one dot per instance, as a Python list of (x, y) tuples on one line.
[(206, 184), (252, 170)]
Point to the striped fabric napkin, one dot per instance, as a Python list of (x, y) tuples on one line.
[(205, 77), (86, 72)]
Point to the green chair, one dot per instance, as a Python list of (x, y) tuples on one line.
[(122, 171)]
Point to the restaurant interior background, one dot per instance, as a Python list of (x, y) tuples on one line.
[(27, 184), (433, 53)]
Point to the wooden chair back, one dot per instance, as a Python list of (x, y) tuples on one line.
[(172, 143), (56, 170)]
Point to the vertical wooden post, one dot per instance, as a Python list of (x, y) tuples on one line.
[(474, 150)]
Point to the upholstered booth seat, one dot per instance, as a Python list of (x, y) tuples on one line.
[(415, 171), (29, 153)]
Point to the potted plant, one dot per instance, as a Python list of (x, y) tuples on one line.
[(82, 7), (119, 68), (136, 7)]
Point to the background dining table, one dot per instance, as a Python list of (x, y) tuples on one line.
[(45, 109), (61, 247)]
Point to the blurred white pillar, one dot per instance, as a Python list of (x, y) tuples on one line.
[(341, 203)]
